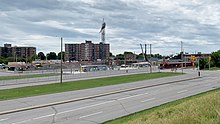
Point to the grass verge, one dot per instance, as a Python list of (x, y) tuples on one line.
[(213, 68), (25, 76), (76, 85), (203, 108)]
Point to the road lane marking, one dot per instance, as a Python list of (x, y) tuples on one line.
[(132, 96), (99, 104), (90, 97), (148, 100), (85, 107), (22, 121), (182, 91), (208, 85), (90, 115), (4, 119), (45, 116), (90, 106)]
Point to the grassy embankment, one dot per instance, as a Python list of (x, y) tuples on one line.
[(199, 109), (76, 85), (13, 77)]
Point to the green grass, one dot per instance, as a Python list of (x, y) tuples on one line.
[(213, 68), (203, 108), (76, 85), (25, 76)]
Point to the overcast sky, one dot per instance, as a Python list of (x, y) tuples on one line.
[(162, 23)]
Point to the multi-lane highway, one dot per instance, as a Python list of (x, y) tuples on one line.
[(104, 107)]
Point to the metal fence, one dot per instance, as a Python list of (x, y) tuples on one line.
[(70, 75)]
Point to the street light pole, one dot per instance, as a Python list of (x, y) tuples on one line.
[(150, 59), (61, 61), (199, 68), (182, 56)]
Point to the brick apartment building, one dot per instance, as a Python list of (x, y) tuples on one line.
[(87, 51), (18, 52)]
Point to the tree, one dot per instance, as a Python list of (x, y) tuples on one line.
[(33, 57), (140, 56), (41, 56), (10, 59), (59, 55), (111, 55), (128, 52), (51, 56), (120, 56), (215, 58), (3, 60), (203, 63), (158, 56)]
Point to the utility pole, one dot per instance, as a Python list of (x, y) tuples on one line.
[(150, 50), (142, 51), (26, 54), (181, 46), (182, 56), (198, 67), (150, 59), (61, 61), (145, 52)]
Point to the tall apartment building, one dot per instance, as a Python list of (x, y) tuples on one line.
[(87, 51), (22, 52)]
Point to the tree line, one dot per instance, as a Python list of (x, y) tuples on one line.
[(214, 61), (39, 56), (50, 56), (203, 62), (138, 56)]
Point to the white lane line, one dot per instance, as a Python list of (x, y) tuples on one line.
[(24, 121), (208, 85), (90, 115), (21, 121), (132, 96), (4, 119), (182, 91), (99, 104), (85, 107), (45, 116), (148, 100)]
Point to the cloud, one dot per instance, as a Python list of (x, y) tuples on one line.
[(162, 23)]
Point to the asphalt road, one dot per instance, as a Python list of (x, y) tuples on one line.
[(100, 109), (7, 84)]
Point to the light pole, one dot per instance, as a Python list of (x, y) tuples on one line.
[(209, 61), (198, 68), (182, 56), (61, 61), (150, 58)]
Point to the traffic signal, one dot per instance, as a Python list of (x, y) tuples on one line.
[(193, 57), (210, 58)]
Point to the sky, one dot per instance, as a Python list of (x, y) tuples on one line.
[(129, 23)]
